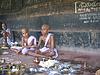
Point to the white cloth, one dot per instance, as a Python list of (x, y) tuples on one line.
[(48, 37), (32, 40), (56, 53), (25, 50), (16, 47), (9, 37), (9, 41), (8, 30), (46, 48)]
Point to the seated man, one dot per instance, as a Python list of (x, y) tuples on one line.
[(6, 39), (28, 43), (49, 49)]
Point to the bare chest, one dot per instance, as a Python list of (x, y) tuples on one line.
[(44, 40)]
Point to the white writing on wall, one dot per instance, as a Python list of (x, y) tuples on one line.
[(89, 17), (91, 6)]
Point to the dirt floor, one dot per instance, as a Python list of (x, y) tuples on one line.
[(92, 59)]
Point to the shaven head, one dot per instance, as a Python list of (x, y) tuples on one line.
[(25, 32), (46, 26), (44, 29)]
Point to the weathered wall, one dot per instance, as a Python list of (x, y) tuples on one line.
[(71, 30), (74, 24)]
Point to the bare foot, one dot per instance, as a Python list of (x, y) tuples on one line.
[(18, 52)]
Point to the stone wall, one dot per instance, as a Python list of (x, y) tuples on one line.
[(75, 24)]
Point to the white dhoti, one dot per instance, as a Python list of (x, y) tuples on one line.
[(17, 48), (44, 49), (24, 50)]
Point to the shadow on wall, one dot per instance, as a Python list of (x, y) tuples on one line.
[(70, 39)]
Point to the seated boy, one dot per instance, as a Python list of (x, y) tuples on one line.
[(28, 42), (49, 49)]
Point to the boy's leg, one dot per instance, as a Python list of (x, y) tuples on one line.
[(34, 53), (24, 51), (48, 53), (16, 50)]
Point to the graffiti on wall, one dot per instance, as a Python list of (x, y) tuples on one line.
[(90, 6)]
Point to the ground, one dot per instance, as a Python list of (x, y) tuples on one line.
[(92, 59)]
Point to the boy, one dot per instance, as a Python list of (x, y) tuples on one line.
[(49, 49), (28, 42)]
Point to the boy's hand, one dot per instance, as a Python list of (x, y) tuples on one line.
[(33, 46), (25, 47)]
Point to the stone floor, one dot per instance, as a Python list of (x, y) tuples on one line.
[(93, 59), (90, 58)]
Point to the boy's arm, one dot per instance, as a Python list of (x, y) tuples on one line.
[(22, 42), (52, 42), (40, 39)]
